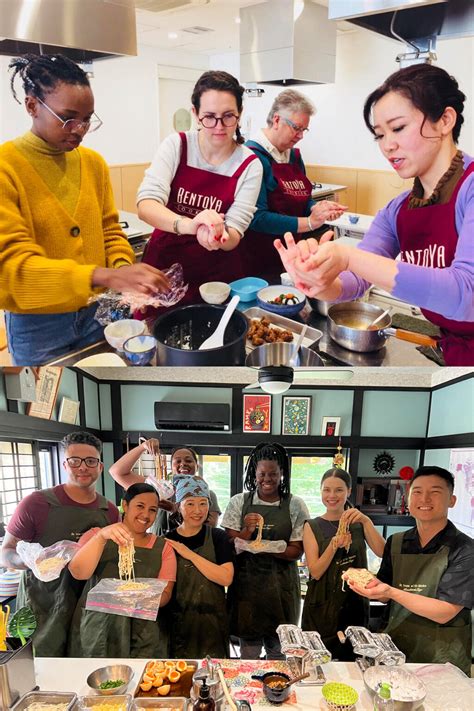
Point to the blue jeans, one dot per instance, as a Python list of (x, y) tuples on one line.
[(36, 339)]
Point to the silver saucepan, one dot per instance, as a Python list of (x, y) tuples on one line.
[(348, 325)]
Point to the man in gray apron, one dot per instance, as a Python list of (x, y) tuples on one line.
[(63, 512), (427, 577)]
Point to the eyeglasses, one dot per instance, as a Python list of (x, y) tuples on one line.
[(295, 127), (226, 120), (74, 124), (76, 462)]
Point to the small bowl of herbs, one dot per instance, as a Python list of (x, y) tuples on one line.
[(113, 679)]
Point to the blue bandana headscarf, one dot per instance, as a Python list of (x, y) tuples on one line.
[(187, 485)]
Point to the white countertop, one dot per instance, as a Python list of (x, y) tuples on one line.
[(54, 674), (362, 224), (136, 226)]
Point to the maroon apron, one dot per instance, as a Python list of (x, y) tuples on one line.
[(430, 234), (192, 191), (290, 197)]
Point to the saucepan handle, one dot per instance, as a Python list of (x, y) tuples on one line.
[(257, 677), (419, 338)]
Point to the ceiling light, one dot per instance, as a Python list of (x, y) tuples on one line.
[(275, 380), (172, 35), (237, 20)]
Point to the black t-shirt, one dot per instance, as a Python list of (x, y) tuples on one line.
[(222, 545), (457, 582)]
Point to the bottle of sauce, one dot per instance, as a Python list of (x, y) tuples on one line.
[(204, 702)]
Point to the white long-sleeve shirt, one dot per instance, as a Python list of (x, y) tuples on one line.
[(156, 184)]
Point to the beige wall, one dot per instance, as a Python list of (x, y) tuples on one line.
[(367, 190)]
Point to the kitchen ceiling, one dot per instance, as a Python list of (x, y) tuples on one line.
[(363, 377), (202, 26)]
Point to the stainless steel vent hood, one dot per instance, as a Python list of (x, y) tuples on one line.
[(287, 42), (82, 29), (418, 23)]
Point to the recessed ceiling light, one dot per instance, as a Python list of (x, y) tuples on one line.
[(172, 35), (237, 20)]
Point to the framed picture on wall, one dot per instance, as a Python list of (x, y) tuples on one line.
[(331, 426), (257, 413), (68, 411), (46, 392), (295, 415)]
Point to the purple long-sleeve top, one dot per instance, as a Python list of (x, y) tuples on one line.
[(448, 291)]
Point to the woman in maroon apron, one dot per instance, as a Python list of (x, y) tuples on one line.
[(416, 116), (201, 189), (284, 203)]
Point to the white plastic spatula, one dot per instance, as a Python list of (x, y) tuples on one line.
[(294, 357), (216, 339)]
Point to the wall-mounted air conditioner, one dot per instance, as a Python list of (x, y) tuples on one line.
[(191, 416)]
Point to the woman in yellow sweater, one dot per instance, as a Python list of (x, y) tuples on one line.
[(60, 240)]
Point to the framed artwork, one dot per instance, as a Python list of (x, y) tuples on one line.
[(257, 413), (46, 392), (330, 426), (295, 415), (68, 411)]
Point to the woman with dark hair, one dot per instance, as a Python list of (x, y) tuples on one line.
[(333, 543), (200, 191), (97, 634), (198, 614), (60, 239), (266, 589), (184, 462), (416, 118), (284, 202)]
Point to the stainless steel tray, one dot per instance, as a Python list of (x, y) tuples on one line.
[(88, 702), (46, 697), (312, 334)]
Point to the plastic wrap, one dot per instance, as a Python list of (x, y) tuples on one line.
[(242, 546), (46, 564), (114, 306), (139, 598), (447, 687), (164, 488)]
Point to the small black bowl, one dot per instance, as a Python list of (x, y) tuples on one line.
[(276, 696)]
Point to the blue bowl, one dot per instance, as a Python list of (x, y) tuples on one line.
[(247, 288), (266, 295), (140, 350), (353, 219)]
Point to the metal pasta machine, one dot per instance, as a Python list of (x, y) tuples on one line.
[(372, 648), (305, 653)]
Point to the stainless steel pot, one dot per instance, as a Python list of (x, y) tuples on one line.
[(280, 354), (320, 306), (348, 322)]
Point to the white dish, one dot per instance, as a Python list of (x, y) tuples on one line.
[(117, 332), (100, 360), (214, 292)]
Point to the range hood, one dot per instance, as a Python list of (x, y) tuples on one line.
[(81, 29), (418, 23), (287, 42)]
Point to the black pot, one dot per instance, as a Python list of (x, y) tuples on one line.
[(191, 325), (276, 696)]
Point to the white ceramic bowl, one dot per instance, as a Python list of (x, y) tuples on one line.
[(214, 292), (118, 332)]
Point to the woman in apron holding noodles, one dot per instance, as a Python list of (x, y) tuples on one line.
[(266, 590), (327, 607), (284, 203), (97, 634), (205, 568), (200, 191), (426, 576), (416, 116)]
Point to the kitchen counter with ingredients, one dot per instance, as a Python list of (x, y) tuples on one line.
[(70, 675)]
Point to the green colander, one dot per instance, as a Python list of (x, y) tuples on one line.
[(339, 696)]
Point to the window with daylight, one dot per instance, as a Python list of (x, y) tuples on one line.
[(19, 475)]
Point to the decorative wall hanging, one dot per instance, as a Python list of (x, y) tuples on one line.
[(257, 413), (384, 463), (295, 415), (338, 459), (46, 391), (330, 427)]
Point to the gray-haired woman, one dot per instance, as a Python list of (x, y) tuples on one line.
[(284, 203)]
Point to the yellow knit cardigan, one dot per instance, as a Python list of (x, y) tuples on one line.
[(47, 256)]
